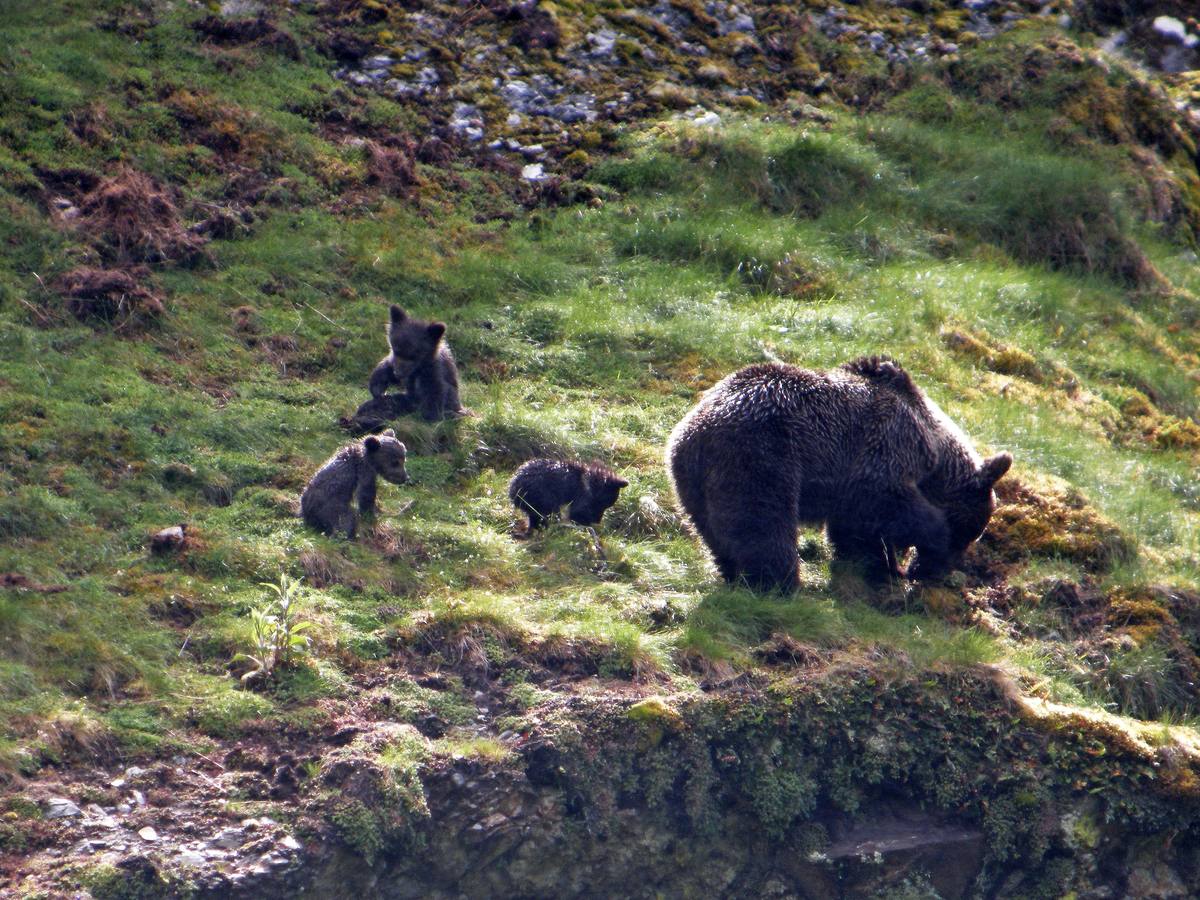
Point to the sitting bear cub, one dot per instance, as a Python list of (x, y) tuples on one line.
[(542, 486), (859, 448), (421, 362), (325, 503)]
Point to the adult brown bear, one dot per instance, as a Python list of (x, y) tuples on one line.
[(860, 449)]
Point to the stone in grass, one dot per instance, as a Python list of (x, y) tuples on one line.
[(61, 808), (169, 540)]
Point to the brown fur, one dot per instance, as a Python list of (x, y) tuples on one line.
[(420, 361), (860, 449), (351, 472), (543, 486)]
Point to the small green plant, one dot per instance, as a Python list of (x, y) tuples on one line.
[(279, 637)]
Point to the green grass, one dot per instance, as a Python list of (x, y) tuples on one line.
[(586, 331)]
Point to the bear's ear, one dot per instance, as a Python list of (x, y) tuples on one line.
[(619, 483), (372, 444), (993, 469), (436, 330), (398, 314)]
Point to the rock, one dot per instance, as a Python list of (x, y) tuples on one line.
[(229, 839), (168, 540), (1172, 29), (138, 798), (467, 121), (231, 9), (191, 858), (887, 849), (148, 834), (740, 23), (289, 843), (533, 172), (61, 808), (375, 63), (698, 115), (601, 45)]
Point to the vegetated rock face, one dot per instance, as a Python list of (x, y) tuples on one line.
[(853, 782)]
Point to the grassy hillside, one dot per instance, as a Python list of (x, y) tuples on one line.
[(1015, 223)]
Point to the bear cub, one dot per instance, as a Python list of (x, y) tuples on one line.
[(325, 503), (420, 362), (542, 486)]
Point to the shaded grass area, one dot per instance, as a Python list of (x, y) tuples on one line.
[(586, 331)]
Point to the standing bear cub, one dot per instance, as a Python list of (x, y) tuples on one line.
[(542, 486), (325, 503), (859, 448), (421, 362)]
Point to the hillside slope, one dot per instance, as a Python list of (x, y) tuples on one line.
[(204, 214)]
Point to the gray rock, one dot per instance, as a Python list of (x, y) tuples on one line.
[(237, 8), (191, 858), (467, 121), (742, 22), (375, 63), (61, 808), (229, 839), (533, 172), (601, 45)]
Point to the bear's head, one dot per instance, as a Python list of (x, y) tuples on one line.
[(413, 342), (968, 507), (601, 486), (386, 456)]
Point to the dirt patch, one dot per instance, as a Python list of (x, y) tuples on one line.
[(134, 220), (235, 134), (14, 581), (1049, 521), (256, 32), (118, 297), (392, 166)]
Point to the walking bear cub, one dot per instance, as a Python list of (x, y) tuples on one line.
[(325, 503), (420, 362), (542, 486), (859, 448)]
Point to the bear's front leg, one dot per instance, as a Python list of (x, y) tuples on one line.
[(915, 522), (852, 543), (366, 496), (382, 377), (347, 522)]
